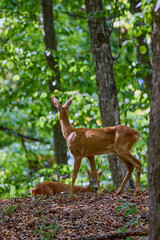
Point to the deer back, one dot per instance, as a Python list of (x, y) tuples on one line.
[(49, 188)]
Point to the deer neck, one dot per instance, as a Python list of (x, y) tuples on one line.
[(66, 127)]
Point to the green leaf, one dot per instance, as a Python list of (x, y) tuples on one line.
[(43, 95), (16, 78), (142, 49)]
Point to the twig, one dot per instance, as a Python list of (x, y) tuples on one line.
[(99, 164), (73, 15), (24, 146)]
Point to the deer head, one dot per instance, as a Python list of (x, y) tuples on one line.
[(62, 109)]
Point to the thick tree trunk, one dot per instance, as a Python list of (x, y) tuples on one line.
[(51, 58), (103, 64), (154, 134), (143, 59)]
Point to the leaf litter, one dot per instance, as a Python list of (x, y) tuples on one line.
[(84, 215)]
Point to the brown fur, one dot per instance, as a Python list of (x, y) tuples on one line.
[(50, 188), (85, 142)]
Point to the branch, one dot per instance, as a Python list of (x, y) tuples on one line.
[(16, 134), (119, 40), (121, 235), (114, 17), (84, 17), (73, 15), (24, 146), (99, 164), (120, 45)]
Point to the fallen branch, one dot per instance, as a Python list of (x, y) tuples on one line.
[(120, 235), (16, 134)]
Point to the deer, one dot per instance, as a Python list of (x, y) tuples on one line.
[(50, 188), (89, 142)]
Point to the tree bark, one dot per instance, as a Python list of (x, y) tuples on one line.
[(52, 61), (143, 59), (154, 134), (107, 92)]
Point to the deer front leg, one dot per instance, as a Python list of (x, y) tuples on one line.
[(94, 171), (77, 163)]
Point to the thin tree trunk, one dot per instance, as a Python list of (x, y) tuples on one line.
[(154, 134), (143, 59), (107, 92), (52, 61)]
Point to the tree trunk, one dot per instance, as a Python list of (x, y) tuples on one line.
[(143, 59), (107, 92), (52, 61), (154, 134)]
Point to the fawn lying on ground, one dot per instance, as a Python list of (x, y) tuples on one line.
[(86, 142), (50, 188)]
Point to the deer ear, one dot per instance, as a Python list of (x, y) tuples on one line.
[(56, 103), (68, 103), (100, 173)]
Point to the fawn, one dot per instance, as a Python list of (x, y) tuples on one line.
[(50, 188)]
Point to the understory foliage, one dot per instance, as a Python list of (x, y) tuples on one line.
[(26, 117)]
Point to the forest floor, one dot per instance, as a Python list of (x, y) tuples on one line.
[(85, 216)]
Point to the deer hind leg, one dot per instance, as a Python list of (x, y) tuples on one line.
[(94, 171), (127, 156), (138, 166), (128, 174), (77, 163)]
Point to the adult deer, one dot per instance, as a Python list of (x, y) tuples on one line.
[(50, 188), (86, 142)]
